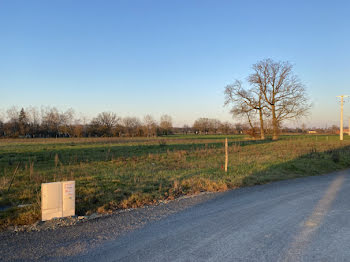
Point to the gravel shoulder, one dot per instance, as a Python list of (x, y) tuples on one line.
[(61, 239)]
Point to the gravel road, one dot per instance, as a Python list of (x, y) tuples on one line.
[(303, 219)]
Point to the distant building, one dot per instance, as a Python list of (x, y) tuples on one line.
[(312, 132)]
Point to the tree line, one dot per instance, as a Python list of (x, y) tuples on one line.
[(50, 122)]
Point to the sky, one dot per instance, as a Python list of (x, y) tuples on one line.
[(168, 57)]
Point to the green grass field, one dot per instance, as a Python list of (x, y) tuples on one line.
[(115, 173)]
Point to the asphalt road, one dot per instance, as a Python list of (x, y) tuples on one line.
[(305, 219)]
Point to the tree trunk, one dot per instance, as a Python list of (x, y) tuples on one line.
[(274, 123), (262, 134)]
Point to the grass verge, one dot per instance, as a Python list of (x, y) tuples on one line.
[(120, 173)]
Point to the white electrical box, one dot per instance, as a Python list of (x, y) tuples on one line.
[(57, 200)]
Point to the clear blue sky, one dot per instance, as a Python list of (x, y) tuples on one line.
[(167, 57)]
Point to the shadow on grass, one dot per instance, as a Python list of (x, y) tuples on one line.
[(310, 164), (74, 154)]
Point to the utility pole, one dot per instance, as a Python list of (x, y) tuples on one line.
[(341, 115), (226, 155)]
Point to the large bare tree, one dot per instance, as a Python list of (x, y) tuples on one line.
[(282, 91)]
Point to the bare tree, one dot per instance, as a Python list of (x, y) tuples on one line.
[(13, 121), (106, 121), (226, 127), (81, 125), (131, 125), (186, 128), (246, 103), (34, 120), (12, 114), (303, 128), (207, 125), (66, 122), (202, 125), (23, 122), (51, 121), (56, 123), (282, 92), (215, 125), (166, 124), (150, 126)]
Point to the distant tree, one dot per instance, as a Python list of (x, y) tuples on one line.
[(215, 125), (22, 118), (149, 126), (66, 122), (202, 125), (207, 125), (334, 129), (166, 124), (56, 123), (83, 121), (132, 126), (268, 126), (51, 121), (104, 123), (34, 121), (226, 128), (303, 128), (186, 128), (238, 128), (12, 114), (23, 122), (12, 126), (77, 130)]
